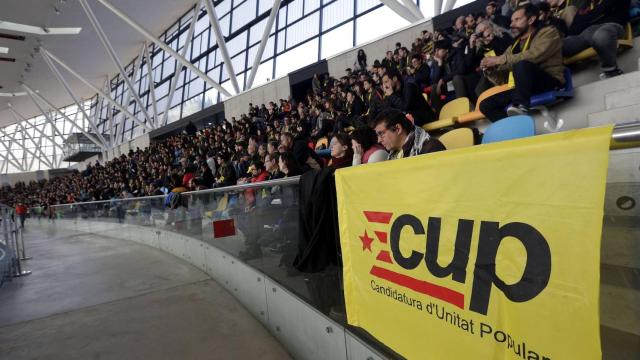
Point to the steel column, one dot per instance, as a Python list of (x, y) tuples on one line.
[(449, 5), (415, 10), (114, 57), (174, 80), (33, 93), (94, 88), (164, 46), (152, 85), (263, 42), (222, 45), (400, 10), (66, 86)]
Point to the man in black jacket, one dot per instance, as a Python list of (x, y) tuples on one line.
[(599, 28), (306, 158), (406, 97)]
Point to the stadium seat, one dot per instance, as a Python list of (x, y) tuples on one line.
[(323, 152), (626, 42), (550, 97), (513, 127), (322, 143), (476, 114), (458, 138), (449, 114)]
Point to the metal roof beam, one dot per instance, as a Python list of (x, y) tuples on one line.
[(114, 57), (263, 42)]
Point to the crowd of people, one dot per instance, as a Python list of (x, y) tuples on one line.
[(373, 113)]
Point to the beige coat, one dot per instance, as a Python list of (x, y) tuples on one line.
[(545, 50)]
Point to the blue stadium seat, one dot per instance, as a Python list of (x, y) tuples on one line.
[(513, 127), (550, 97)]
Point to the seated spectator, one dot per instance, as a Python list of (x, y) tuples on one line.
[(271, 165), (599, 28), (557, 13), (365, 147), (419, 72), (388, 61), (226, 175), (407, 98), (355, 109), (489, 40), (534, 62), (373, 99), (491, 11), (401, 138), (288, 165), (306, 158), (341, 153)]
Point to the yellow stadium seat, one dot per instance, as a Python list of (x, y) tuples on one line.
[(439, 124), (476, 114), (454, 108), (449, 113), (628, 39), (458, 138), (322, 143), (626, 42)]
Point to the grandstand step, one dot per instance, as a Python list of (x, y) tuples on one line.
[(620, 247), (622, 98), (615, 116), (619, 308), (589, 99)]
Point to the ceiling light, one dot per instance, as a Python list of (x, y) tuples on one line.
[(4, 50), (6, 25), (12, 95)]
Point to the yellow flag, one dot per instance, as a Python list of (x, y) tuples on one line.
[(488, 252)]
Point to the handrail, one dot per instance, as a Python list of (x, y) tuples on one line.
[(624, 136)]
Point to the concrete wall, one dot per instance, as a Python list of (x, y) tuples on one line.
[(11, 179), (377, 48), (271, 91)]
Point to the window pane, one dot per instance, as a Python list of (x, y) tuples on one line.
[(294, 10), (302, 30), (299, 57), (310, 6), (336, 13), (243, 14), (337, 40), (379, 22)]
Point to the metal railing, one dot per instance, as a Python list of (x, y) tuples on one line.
[(12, 248)]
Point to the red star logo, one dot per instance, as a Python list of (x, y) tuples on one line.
[(366, 241)]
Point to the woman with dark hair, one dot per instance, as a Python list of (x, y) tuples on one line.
[(361, 62), (288, 165), (341, 153), (366, 149)]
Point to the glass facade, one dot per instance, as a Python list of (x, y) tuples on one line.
[(304, 32)]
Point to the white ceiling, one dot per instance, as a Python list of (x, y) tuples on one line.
[(84, 53)]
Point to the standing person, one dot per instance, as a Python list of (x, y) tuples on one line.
[(21, 211), (361, 62)]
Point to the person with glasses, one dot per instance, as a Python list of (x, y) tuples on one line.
[(401, 138)]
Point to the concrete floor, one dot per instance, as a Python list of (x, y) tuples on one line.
[(93, 297)]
